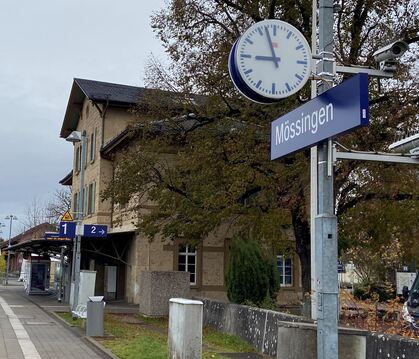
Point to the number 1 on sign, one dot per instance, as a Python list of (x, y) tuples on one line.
[(64, 227)]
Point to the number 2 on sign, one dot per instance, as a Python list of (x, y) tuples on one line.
[(93, 230)]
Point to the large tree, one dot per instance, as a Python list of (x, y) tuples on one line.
[(38, 212), (204, 158)]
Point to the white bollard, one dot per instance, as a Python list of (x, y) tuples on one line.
[(185, 329)]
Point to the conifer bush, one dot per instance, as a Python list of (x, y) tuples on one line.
[(251, 277), (2, 264)]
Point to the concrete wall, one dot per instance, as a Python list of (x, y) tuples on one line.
[(260, 327), (299, 340), (385, 346), (156, 288)]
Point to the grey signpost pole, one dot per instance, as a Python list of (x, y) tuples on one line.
[(326, 222), (11, 218), (80, 210), (313, 178)]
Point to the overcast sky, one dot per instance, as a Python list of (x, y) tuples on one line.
[(44, 44)]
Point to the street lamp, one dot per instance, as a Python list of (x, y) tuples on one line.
[(11, 218), (75, 137)]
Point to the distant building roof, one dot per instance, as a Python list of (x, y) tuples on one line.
[(34, 232), (99, 92), (67, 180)]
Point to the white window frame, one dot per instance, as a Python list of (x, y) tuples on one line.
[(282, 272), (76, 203), (185, 251), (77, 164), (92, 145), (86, 152), (91, 198)]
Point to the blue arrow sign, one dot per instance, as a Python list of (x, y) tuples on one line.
[(336, 111), (95, 230), (67, 229)]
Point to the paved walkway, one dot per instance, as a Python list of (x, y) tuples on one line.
[(27, 331)]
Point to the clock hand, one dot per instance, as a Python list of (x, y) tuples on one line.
[(269, 58), (274, 58)]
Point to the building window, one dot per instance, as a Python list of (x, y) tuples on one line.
[(91, 198), (284, 266), (75, 204), (78, 159), (86, 151), (85, 196), (92, 145), (187, 262)]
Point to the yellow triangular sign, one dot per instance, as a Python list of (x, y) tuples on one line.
[(67, 217)]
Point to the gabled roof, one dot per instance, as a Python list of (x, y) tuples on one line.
[(118, 141), (99, 92), (109, 92), (172, 127)]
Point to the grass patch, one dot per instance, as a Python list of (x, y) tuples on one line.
[(222, 342), (136, 337), (67, 316), (144, 346)]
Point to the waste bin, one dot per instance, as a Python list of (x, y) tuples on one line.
[(94, 319)]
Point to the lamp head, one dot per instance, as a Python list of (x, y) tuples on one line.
[(74, 137)]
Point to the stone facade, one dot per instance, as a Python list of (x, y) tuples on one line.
[(129, 251)]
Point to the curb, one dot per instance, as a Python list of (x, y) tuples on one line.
[(96, 346), (90, 341), (100, 347)]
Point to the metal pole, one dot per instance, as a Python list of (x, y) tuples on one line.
[(313, 178), (326, 223), (60, 293), (80, 216), (6, 280)]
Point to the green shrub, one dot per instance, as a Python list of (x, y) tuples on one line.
[(251, 277), (2, 264), (383, 291)]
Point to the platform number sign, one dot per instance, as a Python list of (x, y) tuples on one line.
[(95, 230), (67, 229)]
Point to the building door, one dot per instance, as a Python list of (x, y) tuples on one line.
[(110, 282)]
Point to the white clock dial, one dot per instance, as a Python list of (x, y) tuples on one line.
[(272, 59)]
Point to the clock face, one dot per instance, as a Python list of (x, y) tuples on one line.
[(270, 61)]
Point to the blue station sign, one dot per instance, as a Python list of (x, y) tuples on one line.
[(336, 111), (67, 229), (95, 230)]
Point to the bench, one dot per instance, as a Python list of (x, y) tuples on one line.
[(80, 311)]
